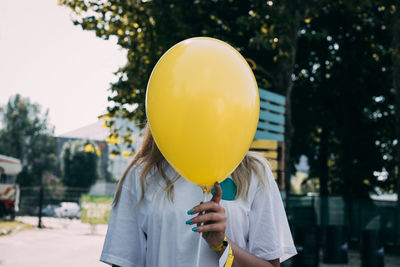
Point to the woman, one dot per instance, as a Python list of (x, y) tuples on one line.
[(156, 215)]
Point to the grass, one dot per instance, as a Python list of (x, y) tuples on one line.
[(9, 227)]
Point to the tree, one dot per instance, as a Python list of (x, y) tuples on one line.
[(396, 87), (79, 164), (26, 135), (265, 32), (336, 54), (343, 101)]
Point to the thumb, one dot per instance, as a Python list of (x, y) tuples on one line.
[(217, 193)]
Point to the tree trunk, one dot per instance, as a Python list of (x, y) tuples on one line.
[(40, 224), (396, 86), (323, 163), (286, 84)]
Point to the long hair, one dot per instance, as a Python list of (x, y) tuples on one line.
[(150, 156)]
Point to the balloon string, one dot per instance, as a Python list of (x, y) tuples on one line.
[(201, 234)]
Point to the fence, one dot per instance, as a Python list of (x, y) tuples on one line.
[(355, 215), (49, 199)]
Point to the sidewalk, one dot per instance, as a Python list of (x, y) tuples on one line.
[(64, 243), (70, 243)]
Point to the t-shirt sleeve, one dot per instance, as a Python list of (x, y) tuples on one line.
[(269, 234), (125, 242)]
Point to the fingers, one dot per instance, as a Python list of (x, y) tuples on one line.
[(207, 218), (212, 205), (207, 206), (211, 216), (215, 227), (217, 193)]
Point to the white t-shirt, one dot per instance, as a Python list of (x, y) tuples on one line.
[(154, 233)]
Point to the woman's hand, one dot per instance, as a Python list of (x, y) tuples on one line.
[(212, 215), (213, 228)]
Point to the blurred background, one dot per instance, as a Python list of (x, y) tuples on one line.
[(73, 76)]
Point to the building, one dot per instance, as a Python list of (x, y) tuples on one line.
[(112, 165)]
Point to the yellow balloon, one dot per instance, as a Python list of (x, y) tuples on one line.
[(202, 105)]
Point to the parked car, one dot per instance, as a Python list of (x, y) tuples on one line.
[(47, 210), (68, 210)]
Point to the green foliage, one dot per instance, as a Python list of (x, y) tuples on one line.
[(146, 29), (336, 53), (79, 164), (343, 108), (26, 135), (265, 32), (53, 186)]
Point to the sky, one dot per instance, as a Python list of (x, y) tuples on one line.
[(56, 64)]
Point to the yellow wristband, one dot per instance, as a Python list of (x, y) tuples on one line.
[(223, 244), (229, 261)]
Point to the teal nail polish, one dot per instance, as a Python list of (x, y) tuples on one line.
[(189, 221), (194, 229), (190, 212)]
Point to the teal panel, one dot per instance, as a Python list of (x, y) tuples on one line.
[(228, 189), (268, 116), (272, 107), (267, 126), (268, 136), (272, 97)]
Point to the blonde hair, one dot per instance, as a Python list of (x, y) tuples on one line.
[(150, 156)]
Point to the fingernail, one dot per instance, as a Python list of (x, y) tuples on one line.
[(218, 183), (194, 229), (190, 212), (189, 221)]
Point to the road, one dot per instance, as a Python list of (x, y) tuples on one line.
[(63, 243)]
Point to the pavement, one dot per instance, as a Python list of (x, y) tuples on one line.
[(62, 243), (70, 243)]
